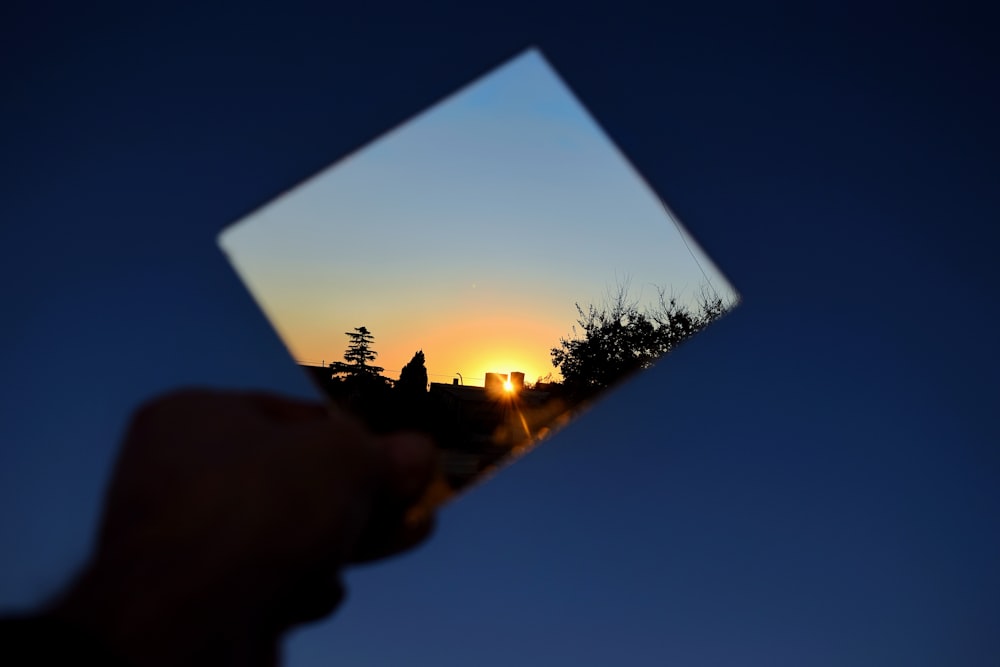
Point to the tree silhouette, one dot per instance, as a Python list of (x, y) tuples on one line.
[(618, 338), (410, 402), (359, 353), (413, 377)]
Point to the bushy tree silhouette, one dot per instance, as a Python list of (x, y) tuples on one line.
[(413, 377), (618, 337), (410, 401)]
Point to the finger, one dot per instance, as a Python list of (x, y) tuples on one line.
[(284, 409), (310, 598), (395, 522), (412, 459), (413, 532), (390, 537)]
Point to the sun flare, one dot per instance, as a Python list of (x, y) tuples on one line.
[(508, 386)]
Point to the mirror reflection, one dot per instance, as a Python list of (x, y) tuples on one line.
[(481, 273)]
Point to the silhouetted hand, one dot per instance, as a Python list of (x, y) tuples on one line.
[(228, 520)]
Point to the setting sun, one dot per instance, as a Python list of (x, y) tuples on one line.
[(508, 386)]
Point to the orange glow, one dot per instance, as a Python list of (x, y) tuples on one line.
[(508, 387), (473, 345)]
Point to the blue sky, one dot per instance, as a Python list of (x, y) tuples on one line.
[(469, 232), (826, 491)]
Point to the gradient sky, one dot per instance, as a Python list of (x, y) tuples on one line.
[(469, 232)]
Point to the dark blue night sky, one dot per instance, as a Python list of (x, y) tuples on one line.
[(814, 481)]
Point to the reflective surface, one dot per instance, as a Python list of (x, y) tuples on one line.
[(481, 273)]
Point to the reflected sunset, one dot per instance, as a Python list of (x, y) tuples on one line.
[(481, 273)]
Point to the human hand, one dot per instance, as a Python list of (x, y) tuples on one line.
[(229, 518)]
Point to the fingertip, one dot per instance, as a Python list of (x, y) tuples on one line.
[(311, 598), (396, 536)]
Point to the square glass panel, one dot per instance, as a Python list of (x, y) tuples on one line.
[(481, 273)]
